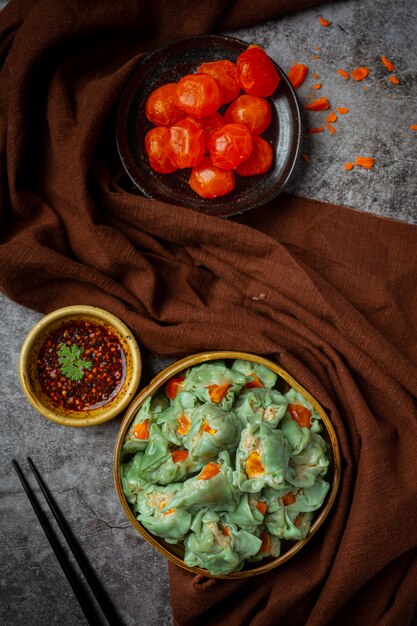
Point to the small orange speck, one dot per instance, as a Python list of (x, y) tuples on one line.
[(317, 86), (305, 157), (324, 22), (348, 166), (366, 162), (359, 73), (318, 48), (413, 127), (314, 75), (388, 64), (319, 129), (330, 128), (314, 57), (332, 117), (366, 87), (343, 74), (394, 80), (342, 110)]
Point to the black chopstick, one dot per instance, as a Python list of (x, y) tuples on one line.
[(80, 593)]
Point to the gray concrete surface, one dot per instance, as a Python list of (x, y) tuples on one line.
[(77, 463)]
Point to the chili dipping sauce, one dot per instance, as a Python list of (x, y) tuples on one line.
[(81, 365)]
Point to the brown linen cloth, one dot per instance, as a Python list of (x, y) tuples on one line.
[(328, 292)]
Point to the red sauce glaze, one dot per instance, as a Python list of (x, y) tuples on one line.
[(106, 360)]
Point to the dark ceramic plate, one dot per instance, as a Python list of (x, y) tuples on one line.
[(169, 64)]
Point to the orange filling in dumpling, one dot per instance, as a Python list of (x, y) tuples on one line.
[(254, 465), (183, 425), (208, 429)]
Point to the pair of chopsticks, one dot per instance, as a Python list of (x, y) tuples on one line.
[(91, 613)]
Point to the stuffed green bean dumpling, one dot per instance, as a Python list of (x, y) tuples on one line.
[(302, 411), (218, 545), (161, 464), (256, 405), (212, 430), (311, 462), (270, 547), (215, 382), (259, 375), (137, 437), (159, 517), (261, 459), (175, 421), (212, 488), (249, 512)]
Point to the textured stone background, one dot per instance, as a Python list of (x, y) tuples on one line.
[(77, 463)]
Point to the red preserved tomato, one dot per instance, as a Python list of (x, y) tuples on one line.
[(224, 73), (256, 72), (210, 181), (259, 161), (198, 95), (186, 143), (161, 106), (207, 125), (158, 151), (230, 145), (252, 111)]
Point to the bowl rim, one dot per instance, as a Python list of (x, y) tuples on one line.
[(162, 377), (104, 414)]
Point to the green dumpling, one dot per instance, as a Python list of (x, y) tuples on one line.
[(248, 512), (212, 488), (258, 374), (297, 436), (295, 400), (159, 517), (137, 437), (256, 405), (132, 481), (270, 547), (217, 545), (175, 421), (311, 462), (215, 382), (212, 430), (310, 498), (160, 464), (261, 459)]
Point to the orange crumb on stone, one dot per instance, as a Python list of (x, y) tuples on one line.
[(318, 48), (348, 166), (317, 86), (388, 64), (366, 87), (321, 104), (413, 127), (332, 117), (305, 157), (394, 80), (319, 129), (330, 128), (342, 110), (366, 162), (344, 74), (324, 22), (314, 75), (314, 57), (359, 73)]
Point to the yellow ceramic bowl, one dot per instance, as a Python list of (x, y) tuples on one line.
[(29, 376), (175, 553)]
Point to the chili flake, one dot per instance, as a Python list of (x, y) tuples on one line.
[(81, 365)]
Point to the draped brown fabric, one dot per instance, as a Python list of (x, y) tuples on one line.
[(330, 293)]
